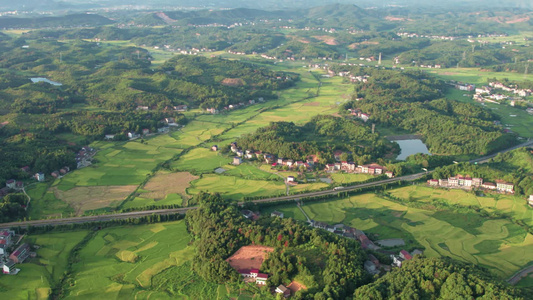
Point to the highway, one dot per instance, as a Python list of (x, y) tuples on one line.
[(138, 214)]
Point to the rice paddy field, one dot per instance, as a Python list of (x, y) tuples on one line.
[(39, 275), (121, 163), (201, 160), (513, 205), (121, 262), (236, 188), (498, 244), (349, 178)]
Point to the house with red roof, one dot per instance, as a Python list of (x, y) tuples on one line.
[(21, 253)]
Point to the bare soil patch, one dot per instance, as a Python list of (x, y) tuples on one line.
[(329, 40), (85, 198), (249, 257), (312, 104), (233, 82), (296, 286), (163, 184)]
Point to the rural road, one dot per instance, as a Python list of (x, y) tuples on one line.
[(138, 214), (519, 275)]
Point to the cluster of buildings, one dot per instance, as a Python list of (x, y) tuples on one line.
[(309, 164), (486, 93), (61, 172), (432, 37), (347, 232), (85, 156), (17, 256), (372, 265), (397, 260), (351, 167), (13, 185), (253, 275), (268, 158), (214, 111), (357, 113), (467, 182)]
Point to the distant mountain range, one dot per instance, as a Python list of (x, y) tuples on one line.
[(73, 20), (54, 5)]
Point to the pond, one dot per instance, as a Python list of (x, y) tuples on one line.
[(41, 79), (410, 147)]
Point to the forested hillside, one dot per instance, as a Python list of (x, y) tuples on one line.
[(321, 136), (330, 266), (413, 101), (434, 278)]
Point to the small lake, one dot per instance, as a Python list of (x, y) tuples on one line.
[(42, 79), (410, 147)]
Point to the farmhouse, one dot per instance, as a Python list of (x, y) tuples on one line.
[(276, 214), (503, 186), (214, 148), (9, 268), (10, 183), (21, 253), (281, 289), (237, 160), (530, 200)]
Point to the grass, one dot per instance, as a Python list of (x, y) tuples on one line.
[(38, 275), (122, 163), (44, 203), (349, 178), (121, 262), (514, 205), (477, 76), (497, 244), (250, 171), (236, 188), (201, 160)]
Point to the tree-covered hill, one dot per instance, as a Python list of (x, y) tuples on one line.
[(321, 136), (412, 101), (75, 20), (437, 278)]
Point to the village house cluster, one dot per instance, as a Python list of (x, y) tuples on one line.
[(215, 111), (487, 93), (13, 185), (85, 156), (309, 164), (468, 183), (268, 158), (357, 113), (351, 167), (253, 275), (372, 265), (18, 255)]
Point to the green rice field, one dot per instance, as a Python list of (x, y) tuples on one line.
[(124, 262), (125, 163), (201, 160)]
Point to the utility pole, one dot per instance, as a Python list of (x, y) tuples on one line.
[(373, 128)]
